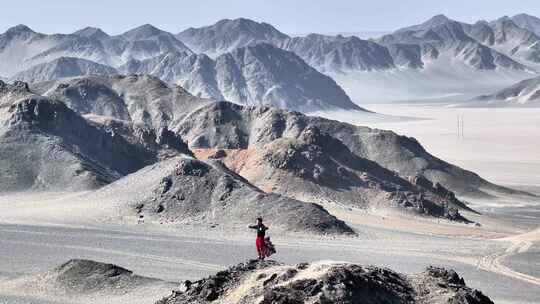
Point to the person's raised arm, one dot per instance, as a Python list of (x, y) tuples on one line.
[(252, 226)]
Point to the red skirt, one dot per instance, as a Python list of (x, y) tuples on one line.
[(260, 244)]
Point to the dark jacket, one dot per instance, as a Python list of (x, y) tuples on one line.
[(261, 229)]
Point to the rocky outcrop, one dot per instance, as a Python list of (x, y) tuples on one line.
[(86, 276), (272, 282), (87, 281), (13, 91)]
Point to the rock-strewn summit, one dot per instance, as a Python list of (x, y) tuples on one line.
[(271, 282)]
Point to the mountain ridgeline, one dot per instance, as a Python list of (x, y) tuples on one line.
[(253, 63)]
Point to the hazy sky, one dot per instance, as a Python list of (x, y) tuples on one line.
[(290, 16)]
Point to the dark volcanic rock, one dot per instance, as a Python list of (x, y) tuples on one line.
[(78, 278), (86, 275), (439, 278), (271, 282)]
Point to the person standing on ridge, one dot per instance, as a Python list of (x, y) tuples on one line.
[(261, 232)]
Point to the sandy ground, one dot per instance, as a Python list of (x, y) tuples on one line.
[(189, 255), (34, 242), (40, 231)]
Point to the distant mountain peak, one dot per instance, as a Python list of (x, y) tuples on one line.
[(19, 29), (249, 25), (506, 23), (228, 34), (525, 15), (238, 21), (439, 18), (482, 22), (433, 22), (143, 32), (528, 22), (91, 32)]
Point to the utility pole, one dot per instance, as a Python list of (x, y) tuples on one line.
[(460, 126), (463, 126)]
